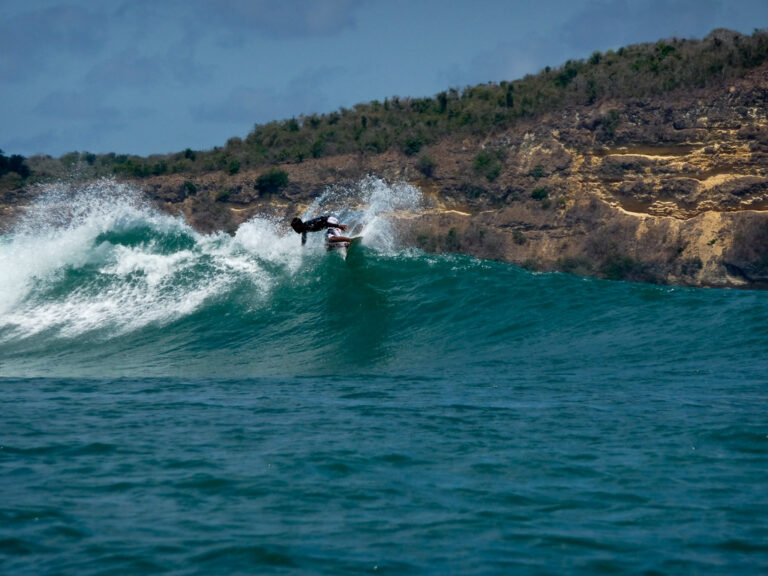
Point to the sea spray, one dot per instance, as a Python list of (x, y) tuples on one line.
[(99, 258), (370, 207), (56, 232)]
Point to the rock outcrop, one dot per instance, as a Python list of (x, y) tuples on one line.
[(671, 189)]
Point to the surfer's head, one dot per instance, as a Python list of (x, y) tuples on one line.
[(333, 221), (297, 225)]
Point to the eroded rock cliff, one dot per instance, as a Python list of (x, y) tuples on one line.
[(668, 189)]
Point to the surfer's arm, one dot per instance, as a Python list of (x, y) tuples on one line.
[(339, 239)]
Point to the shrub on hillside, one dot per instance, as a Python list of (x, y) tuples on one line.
[(271, 182), (630, 73), (13, 163), (412, 145), (488, 164), (426, 166)]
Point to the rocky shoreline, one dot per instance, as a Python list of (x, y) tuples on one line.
[(671, 190)]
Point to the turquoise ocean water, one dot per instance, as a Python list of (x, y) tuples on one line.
[(178, 403)]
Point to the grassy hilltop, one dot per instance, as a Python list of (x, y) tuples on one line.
[(412, 124)]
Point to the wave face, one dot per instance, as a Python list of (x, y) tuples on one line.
[(98, 283), (182, 403)]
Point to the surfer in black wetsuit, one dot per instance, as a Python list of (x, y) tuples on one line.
[(316, 225), (333, 236)]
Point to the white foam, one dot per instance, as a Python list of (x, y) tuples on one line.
[(65, 239), (124, 286), (268, 240), (371, 206)]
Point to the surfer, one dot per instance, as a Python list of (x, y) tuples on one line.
[(333, 236), (317, 224)]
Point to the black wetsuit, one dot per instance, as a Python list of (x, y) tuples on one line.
[(314, 225)]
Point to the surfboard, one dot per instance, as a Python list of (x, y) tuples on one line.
[(343, 248)]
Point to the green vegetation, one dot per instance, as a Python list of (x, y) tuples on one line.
[(412, 124), (426, 166), (453, 240), (749, 253), (489, 164), (412, 145), (14, 163), (271, 182), (575, 265), (610, 122), (190, 188), (224, 195), (618, 267)]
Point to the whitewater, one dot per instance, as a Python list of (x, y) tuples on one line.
[(186, 403)]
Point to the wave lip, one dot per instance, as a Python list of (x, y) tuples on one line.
[(101, 284), (100, 259), (96, 264)]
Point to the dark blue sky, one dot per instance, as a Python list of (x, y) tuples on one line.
[(158, 76)]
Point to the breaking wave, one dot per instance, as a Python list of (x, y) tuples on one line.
[(97, 282)]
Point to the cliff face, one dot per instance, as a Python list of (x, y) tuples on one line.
[(671, 189), (667, 190)]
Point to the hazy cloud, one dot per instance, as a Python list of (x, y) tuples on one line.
[(603, 24), (31, 40), (307, 92), (72, 72), (507, 61), (285, 19), (246, 106), (84, 121), (79, 130), (243, 105), (45, 140), (78, 106), (143, 18), (129, 69), (600, 25)]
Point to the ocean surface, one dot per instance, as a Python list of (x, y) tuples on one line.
[(179, 403)]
